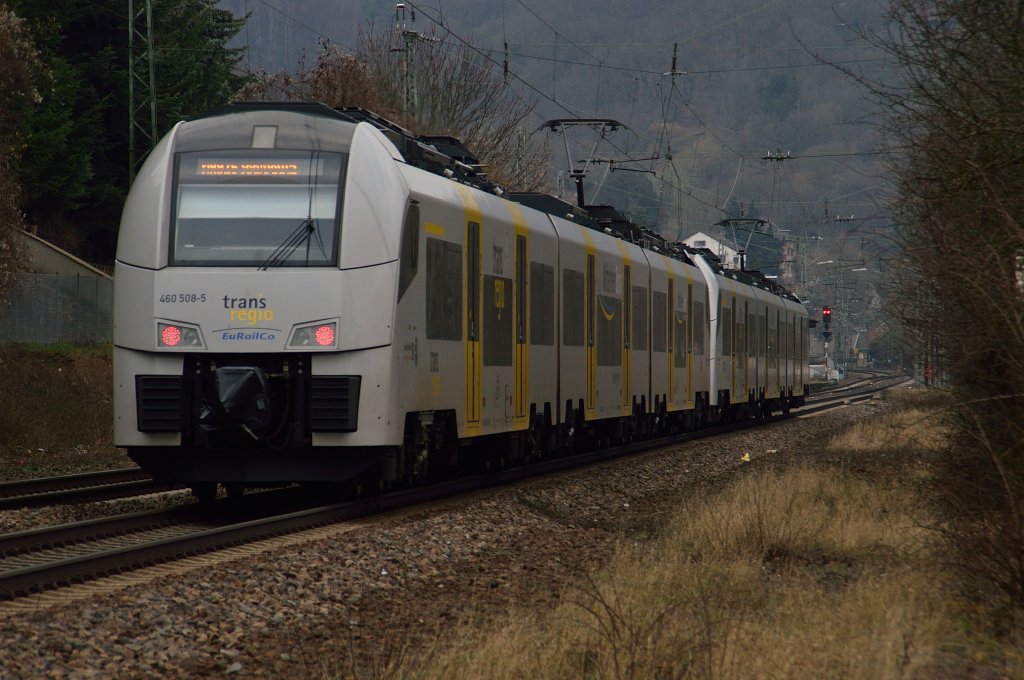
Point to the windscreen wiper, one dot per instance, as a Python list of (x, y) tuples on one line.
[(302, 234), (295, 239)]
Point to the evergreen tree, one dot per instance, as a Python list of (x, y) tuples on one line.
[(196, 71), (20, 71), (74, 167)]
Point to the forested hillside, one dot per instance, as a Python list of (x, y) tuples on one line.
[(706, 92), (751, 79)]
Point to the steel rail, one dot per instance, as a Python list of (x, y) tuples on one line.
[(78, 488)]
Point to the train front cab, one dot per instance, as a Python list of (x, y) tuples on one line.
[(734, 363), (756, 335), (233, 362)]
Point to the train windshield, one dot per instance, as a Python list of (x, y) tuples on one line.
[(261, 208)]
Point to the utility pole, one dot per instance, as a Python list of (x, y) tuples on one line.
[(675, 60), (409, 37), (520, 158), (141, 84), (775, 158)]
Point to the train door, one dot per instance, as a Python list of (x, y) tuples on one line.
[(762, 350), (739, 364), (670, 328), (772, 381), (783, 350), (780, 351), (689, 330), (733, 346), (794, 354), (474, 358), (627, 326), (521, 356), (752, 348), (591, 405)]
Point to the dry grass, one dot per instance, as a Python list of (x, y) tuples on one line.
[(56, 410), (806, 574), (798, 573), (915, 425)]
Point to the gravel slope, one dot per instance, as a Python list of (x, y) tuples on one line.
[(391, 585)]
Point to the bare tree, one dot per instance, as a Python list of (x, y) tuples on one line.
[(958, 132), (461, 94)]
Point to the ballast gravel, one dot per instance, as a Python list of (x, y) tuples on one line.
[(335, 606)]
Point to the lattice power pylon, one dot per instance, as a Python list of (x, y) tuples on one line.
[(142, 132)]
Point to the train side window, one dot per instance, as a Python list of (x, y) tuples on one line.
[(542, 304), (778, 336), (409, 257), (699, 327), (682, 347), (444, 290), (741, 335), (609, 330), (639, 318), (673, 340), (783, 340), (659, 305), (762, 333), (497, 321), (572, 308), (725, 323), (751, 334)]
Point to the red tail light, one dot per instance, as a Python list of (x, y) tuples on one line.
[(170, 336), (324, 335)]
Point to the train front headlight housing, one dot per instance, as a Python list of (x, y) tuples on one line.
[(318, 335), (174, 335)]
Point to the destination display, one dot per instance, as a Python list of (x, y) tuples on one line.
[(234, 167)]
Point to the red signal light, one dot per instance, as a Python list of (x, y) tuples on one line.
[(826, 311), (324, 335), (170, 336)]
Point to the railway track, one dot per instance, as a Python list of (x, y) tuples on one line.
[(851, 391), (51, 557), (78, 488)]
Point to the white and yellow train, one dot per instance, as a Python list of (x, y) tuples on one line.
[(307, 294)]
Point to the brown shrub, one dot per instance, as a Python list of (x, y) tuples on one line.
[(56, 410)]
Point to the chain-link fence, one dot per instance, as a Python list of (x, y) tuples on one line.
[(47, 308)]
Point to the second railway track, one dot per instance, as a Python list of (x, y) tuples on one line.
[(78, 488)]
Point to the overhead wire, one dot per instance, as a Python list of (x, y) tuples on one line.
[(309, 28)]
